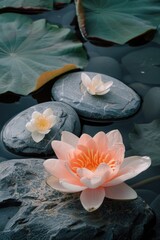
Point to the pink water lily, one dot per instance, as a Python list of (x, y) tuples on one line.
[(96, 167), (96, 86)]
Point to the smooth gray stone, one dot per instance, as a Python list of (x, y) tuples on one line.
[(35, 211), (18, 140), (151, 106), (120, 102), (104, 65)]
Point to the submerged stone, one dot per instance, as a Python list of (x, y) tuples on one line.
[(120, 102), (35, 211), (18, 140)]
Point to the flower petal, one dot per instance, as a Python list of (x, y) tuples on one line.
[(36, 114), (94, 182), (92, 199), (85, 80), (108, 84), (48, 112), (54, 183), (30, 127), (98, 92), (120, 192), (52, 120), (69, 138), (58, 169), (62, 149), (84, 172), (37, 137), (97, 81), (131, 167), (100, 140), (72, 187), (114, 137)]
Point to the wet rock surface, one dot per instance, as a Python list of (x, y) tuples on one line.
[(18, 140), (119, 103), (32, 210)]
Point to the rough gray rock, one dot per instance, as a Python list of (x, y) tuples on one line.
[(18, 140), (31, 210), (120, 102)]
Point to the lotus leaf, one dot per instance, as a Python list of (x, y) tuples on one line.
[(34, 52), (145, 140), (144, 65), (117, 21)]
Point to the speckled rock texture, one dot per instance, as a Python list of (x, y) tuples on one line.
[(18, 140), (120, 102), (31, 210)]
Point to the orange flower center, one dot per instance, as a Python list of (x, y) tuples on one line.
[(42, 123), (90, 159)]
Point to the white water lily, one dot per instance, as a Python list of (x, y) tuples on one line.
[(41, 124), (95, 86)]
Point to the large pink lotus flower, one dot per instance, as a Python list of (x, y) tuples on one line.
[(96, 166)]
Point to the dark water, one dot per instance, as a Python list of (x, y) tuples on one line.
[(11, 104)]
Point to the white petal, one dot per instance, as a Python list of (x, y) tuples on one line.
[(85, 80), (120, 192), (98, 92), (108, 84), (48, 112), (72, 187), (44, 132), (36, 114), (92, 199), (52, 120), (93, 182), (69, 138), (30, 127), (37, 137), (54, 183), (84, 172)]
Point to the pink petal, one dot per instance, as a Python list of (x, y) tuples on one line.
[(98, 177), (92, 199), (108, 84), (114, 137), (131, 167), (120, 192), (85, 80), (58, 169), (72, 187), (84, 139), (54, 183), (100, 140), (62, 149), (69, 138), (96, 80)]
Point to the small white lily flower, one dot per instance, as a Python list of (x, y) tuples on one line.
[(95, 86), (41, 124)]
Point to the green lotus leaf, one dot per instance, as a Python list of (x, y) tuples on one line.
[(145, 140), (34, 52), (117, 21), (31, 4)]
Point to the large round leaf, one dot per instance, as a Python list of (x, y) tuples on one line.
[(32, 53), (145, 140), (117, 21)]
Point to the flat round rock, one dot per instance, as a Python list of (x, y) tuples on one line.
[(18, 140), (120, 102)]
